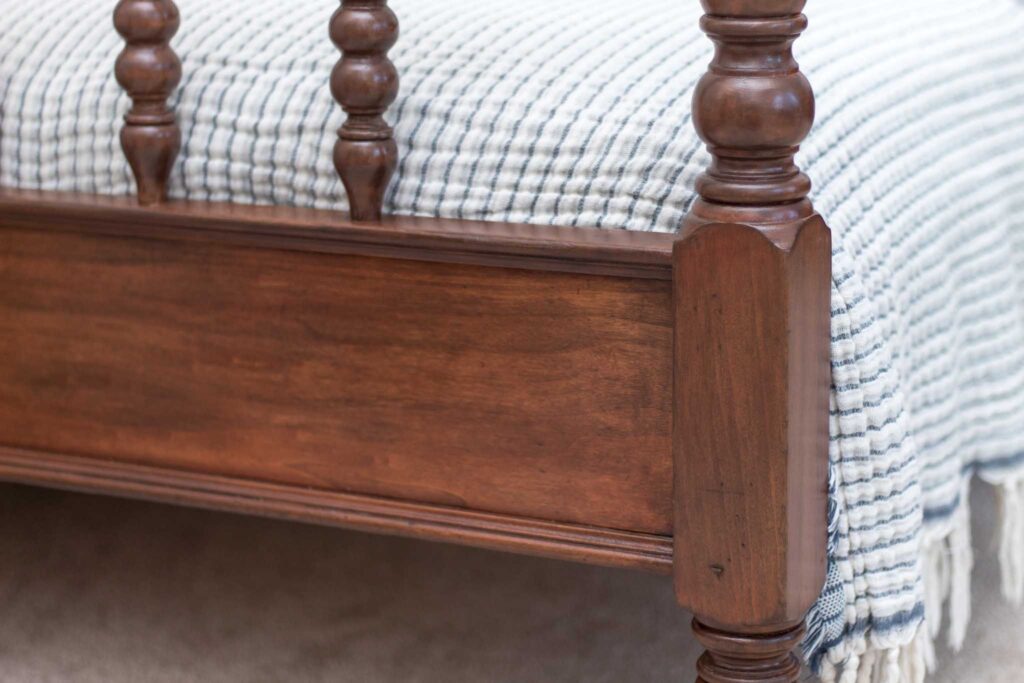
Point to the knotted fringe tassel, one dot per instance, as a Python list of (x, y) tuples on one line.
[(907, 664), (947, 561), (1011, 539)]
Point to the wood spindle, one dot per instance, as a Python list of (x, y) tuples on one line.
[(752, 281), (149, 70), (365, 83), (753, 108)]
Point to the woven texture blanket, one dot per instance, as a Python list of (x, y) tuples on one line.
[(577, 113)]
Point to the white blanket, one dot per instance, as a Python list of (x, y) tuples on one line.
[(577, 113)]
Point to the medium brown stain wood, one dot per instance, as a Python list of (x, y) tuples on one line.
[(753, 108), (619, 253), (764, 658), (366, 513), (752, 284), (752, 424), (537, 394), (365, 83), (149, 70)]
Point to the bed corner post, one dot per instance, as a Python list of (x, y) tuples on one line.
[(365, 83), (752, 288), (149, 70)]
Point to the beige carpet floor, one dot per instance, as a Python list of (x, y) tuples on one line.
[(96, 589)]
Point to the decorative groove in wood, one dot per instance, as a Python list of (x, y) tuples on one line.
[(574, 250), (149, 70), (365, 83), (499, 532), (753, 108), (760, 658)]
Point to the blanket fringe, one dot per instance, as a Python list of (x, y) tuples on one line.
[(1011, 539), (947, 562), (907, 664)]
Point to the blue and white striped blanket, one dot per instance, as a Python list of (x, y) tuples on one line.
[(577, 113)]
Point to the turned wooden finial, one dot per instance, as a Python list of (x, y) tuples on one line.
[(149, 70), (365, 83), (753, 108)]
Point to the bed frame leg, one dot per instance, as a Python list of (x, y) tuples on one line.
[(751, 441), (365, 83), (732, 657), (149, 70), (752, 282)]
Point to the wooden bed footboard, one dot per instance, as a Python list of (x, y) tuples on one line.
[(516, 371), (639, 400)]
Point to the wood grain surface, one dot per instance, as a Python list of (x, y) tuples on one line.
[(536, 247), (532, 393), (577, 543)]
